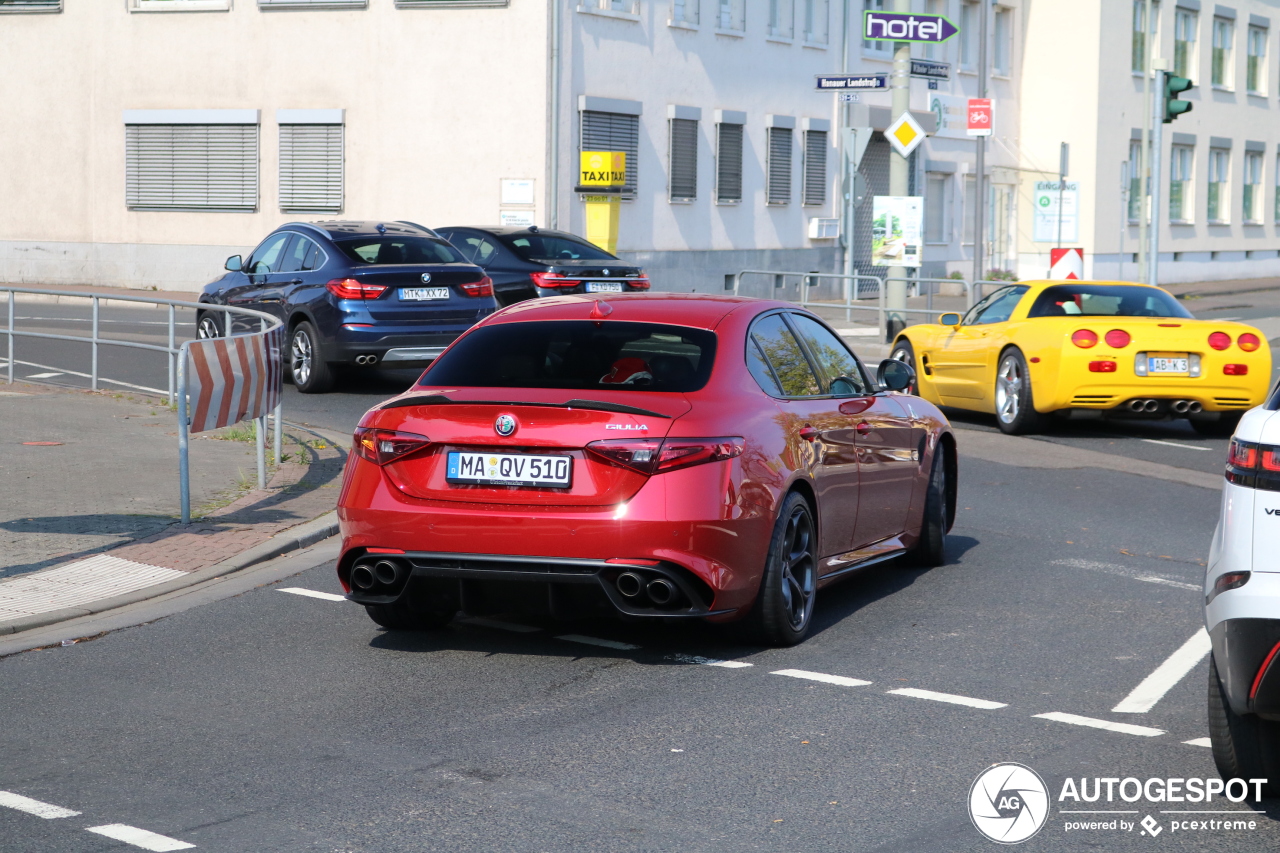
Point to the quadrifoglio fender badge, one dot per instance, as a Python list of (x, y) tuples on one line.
[(628, 427)]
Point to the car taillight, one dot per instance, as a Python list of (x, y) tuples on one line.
[(1102, 367), (1248, 342), (641, 283), (349, 288), (1231, 580), (1243, 455), (1235, 369), (656, 456), (1270, 457), (483, 287), (1084, 338), (1219, 340), (381, 446), (1117, 338), (553, 279)]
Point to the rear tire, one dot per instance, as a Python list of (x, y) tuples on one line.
[(311, 374), (905, 353), (783, 611), (1223, 426), (1244, 747), (930, 550), (401, 617), (1015, 410), (208, 326)]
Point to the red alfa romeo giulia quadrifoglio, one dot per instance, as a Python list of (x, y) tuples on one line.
[(658, 455)]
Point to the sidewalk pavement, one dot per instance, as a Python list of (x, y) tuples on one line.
[(88, 516)]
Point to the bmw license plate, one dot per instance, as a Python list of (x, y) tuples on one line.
[(509, 469), (1168, 364), (421, 294), (604, 287)]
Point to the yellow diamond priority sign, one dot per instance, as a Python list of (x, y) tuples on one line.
[(905, 134)]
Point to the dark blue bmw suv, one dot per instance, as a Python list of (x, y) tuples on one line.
[(354, 294)]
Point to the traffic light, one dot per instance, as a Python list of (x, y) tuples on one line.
[(1173, 105)]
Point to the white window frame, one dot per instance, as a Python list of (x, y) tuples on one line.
[(814, 192), (272, 5), (736, 119), (968, 202), (628, 9), (1251, 188), (1224, 30), (1257, 37), (817, 23), (1002, 29), (785, 129), (938, 204), (685, 116), (1182, 169), (611, 107), (1219, 167), (179, 5), (203, 119), (311, 118), (685, 14), (781, 24), (1137, 198), (32, 7), (729, 12), (877, 49), (1186, 23)]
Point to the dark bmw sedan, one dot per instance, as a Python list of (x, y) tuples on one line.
[(354, 295), (526, 263)]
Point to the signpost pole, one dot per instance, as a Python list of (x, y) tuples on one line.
[(899, 176), (1144, 164), (1157, 143), (980, 179), (184, 422), (1062, 186)]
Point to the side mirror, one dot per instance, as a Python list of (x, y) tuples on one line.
[(951, 319), (894, 375), (234, 263)]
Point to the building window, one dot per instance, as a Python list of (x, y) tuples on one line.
[(312, 4), (1003, 42), (817, 21), (311, 160), (30, 6), (782, 18), (191, 160), (968, 35), (684, 12), (1224, 33), (970, 206), (1138, 62), (1219, 172), (728, 163), (424, 4), (1184, 43), (614, 132), (179, 5), (815, 167), (1256, 73), (1136, 200), (732, 15), (1276, 211), (683, 159), (1180, 183), (1252, 185), (778, 167), (936, 228), (868, 46)]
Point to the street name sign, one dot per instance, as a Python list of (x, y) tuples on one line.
[(905, 134), (889, 26), (981, 117), (851, 82), (927, 69)]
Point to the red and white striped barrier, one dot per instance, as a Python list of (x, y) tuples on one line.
[(1066, 263), (234, 379)]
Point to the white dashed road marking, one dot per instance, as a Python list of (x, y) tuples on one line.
[(596, 641), (1126, 572), (1090, 722), (823, 677), (985, 704), (727, 664), (312, 593), (143, 838), (501, 626), (1200, 741), (48, 811), (43, 375), (1153, 688), (1173, 444)]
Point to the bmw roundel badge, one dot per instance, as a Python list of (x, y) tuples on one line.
[(505, 425), (606, 272), (426, 277)]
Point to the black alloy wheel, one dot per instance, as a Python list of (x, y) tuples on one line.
[(930, 550), (904, 352), (1015, 411), (307, 367), (207, 326), (784, 608), (1244, 747)]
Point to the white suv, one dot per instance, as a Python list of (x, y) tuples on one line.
[(1242, 604)]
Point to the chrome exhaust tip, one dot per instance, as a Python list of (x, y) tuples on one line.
[(1181, 406), (661, 591), (386, 571), (366, 359), (630, 584), (1135, 405), (1194, 407), (1150, 406), (362, 577)]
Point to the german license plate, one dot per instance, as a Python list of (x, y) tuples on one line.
[(1168, 364), (421, 294), (604, 287), (509, 469)]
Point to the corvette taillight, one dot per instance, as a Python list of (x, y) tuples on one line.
[(381, 446), (1117, 338), (483, 287), (656, 456), (1248, 342), (1084, 338), (350, 288), (1219, 340)]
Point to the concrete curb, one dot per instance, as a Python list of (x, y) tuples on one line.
[(294, 539)]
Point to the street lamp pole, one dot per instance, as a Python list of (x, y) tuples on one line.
[(980, 179), (899, 174)]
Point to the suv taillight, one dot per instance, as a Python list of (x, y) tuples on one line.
[(483, 287), (657, 456), (641, 283), (350, 288), (381, 446)]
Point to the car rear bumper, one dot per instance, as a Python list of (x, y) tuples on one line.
[(1116, 396), (399, 348)]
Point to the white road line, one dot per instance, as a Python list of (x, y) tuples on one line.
[(1174, 444), (501, 626), (143, 838), (43, 375), (88, 376), (1123, 728), (312, 593), (48, 811), (698, 659), (1125, 572), (823, 677), (985, 704), (1199, 741), (1153, 688), (596, 641)]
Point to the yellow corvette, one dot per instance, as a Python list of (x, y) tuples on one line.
[(1038, 347)]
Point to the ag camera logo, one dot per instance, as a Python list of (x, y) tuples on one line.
[(1008, 803)]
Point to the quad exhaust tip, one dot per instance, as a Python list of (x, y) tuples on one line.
[(362, 576), (661, 591), (366, 359), (386, 571), (630, 584), (1144, 405)]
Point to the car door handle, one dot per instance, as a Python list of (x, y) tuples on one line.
[(294, 281), (864, 428), (808, 433)]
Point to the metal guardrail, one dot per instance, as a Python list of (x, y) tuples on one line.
[(176, 356)]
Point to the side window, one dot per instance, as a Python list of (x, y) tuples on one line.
[(295, 255), (485, 251), (760, 369), (833, 357), (266, 258), (785, 356), (313, 258), (997, 307)]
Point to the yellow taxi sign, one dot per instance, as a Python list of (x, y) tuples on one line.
[(905, 134), (602, 169)]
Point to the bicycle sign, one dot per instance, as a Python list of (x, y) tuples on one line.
[(981, 116)]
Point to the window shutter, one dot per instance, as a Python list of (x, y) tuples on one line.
[(614, 132), (779, 166), (30, 6), (311, 165), (684, 159), (815, 167), (312, 4), (729, 163), (191, 166)]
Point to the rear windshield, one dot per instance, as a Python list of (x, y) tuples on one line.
[(551, 247), (578, 354), (1085, 300), (399, 250)]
